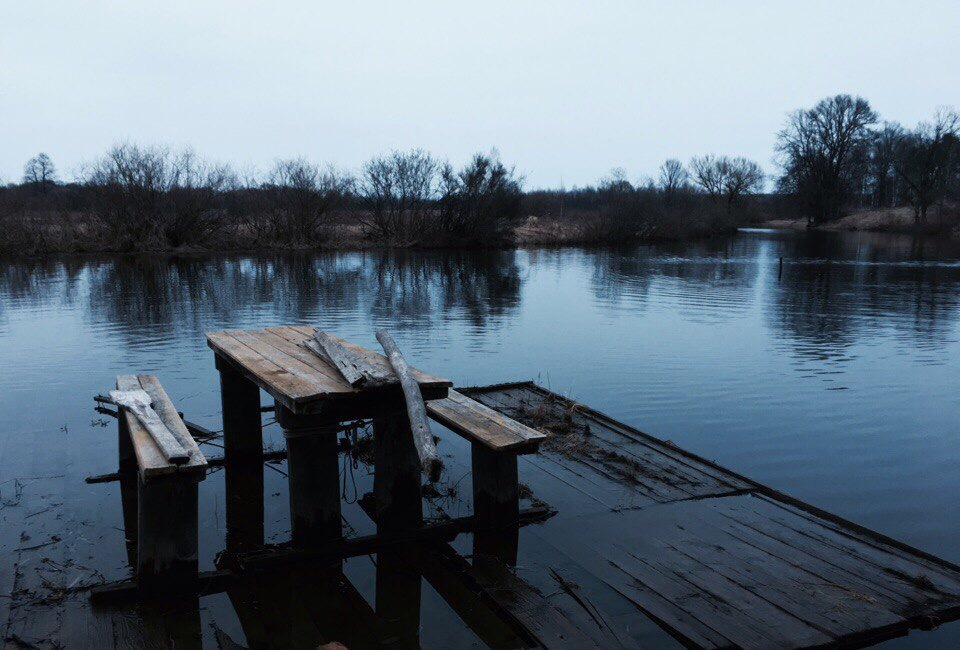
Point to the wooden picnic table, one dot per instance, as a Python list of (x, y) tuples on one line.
[(311, 400)]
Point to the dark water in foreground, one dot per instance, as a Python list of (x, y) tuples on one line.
[(836, 382)]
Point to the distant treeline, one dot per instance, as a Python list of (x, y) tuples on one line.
[(837, 156), (833, 158), (152, 198)]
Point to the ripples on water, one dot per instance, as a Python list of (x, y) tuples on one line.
[(836, 382)]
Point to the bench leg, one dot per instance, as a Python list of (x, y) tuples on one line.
[(314, 476), (396, 475), (496, 498), (126, 457), (167, 534), (240, 401)]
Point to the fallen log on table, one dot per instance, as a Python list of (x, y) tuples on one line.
[(422, 438), (354, 366), (139, 403)]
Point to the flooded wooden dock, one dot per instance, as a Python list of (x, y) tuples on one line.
[(552, 525)]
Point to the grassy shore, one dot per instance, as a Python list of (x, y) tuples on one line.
[(47, 232), (895, 220)]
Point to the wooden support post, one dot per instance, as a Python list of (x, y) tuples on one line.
[(129, 486), (496, 498), (314, 477), (127, 458), (167, 533), (240, 400), (243, 479), (396, 476)]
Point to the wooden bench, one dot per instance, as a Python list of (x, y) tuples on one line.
[(496, 442), (166, 491)]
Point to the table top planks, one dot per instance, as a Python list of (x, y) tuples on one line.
[(480, 423), (276, 359)]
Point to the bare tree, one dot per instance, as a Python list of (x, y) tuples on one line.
[(726, 179), (674, 178), (820, 151), (399, 192), (40, 172), (481, 201), (130, 184), (196, 188), (302, 196), (927, 160), (884, 144)]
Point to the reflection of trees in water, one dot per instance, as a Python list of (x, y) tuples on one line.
[(838, 290), (411, 286), (27, 282), (154, 297), (710, 280)]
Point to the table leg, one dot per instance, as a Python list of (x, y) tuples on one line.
[(396, 475), (240, 400), (314, 477)]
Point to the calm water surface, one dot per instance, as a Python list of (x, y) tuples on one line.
[(835, 381)]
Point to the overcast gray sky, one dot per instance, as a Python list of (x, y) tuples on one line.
[(562, 89)]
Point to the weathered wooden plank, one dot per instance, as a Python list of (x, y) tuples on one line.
[(280, 384), (138, 404), (280, 338), (480, 423), (308, 380), (376, 360), (150, 459), (416, 412), (836, 609), (354, 366), (913, 578)]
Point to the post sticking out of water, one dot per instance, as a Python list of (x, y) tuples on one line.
[(780, 271)]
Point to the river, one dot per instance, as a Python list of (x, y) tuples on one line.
[(833, 378)]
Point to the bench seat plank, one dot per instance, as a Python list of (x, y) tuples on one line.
[(151, 460), (480, 423)]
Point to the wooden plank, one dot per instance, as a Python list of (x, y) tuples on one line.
[(376, 359), (354, 367), (478, 422), (138, 404), (150, 459), (419, 426), (280, 384), (280, 338), (308, 380)]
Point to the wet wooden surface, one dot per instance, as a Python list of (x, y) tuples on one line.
[(714, 558), (652, 547), (275, 359)]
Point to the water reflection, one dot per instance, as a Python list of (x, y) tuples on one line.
[(159, 296), (837, 291)]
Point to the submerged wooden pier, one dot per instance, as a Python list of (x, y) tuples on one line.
[(579, 531)]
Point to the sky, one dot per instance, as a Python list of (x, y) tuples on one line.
[(565, 91)]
